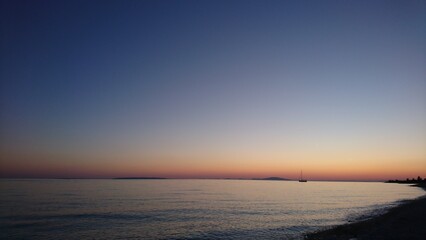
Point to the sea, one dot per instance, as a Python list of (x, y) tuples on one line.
[(187, 209)]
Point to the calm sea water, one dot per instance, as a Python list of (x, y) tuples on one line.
[(185, 209)]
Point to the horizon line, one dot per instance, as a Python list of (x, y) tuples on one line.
[(189, 178)]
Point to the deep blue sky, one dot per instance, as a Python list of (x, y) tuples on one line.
[(177, 77)]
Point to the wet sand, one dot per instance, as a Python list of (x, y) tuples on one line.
[(406, 221)]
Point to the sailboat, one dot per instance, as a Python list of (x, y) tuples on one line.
[(301, 177)]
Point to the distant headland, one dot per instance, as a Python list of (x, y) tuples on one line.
[(408, 181), (158, 178), (139, 178), (272, 179)]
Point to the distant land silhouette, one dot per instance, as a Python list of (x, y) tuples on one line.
[(272, 179), (148, 178), (267, 179), (408, 181), (136, 178)]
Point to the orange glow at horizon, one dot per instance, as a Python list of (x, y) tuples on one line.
[(214, 166), (142, 90)]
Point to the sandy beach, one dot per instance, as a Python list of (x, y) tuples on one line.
[(405, 221)]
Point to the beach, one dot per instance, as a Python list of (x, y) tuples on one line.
[(405, 221)]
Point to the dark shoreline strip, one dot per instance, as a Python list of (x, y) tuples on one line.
[(406, 221)]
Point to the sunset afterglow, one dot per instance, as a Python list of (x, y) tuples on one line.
[(213, 89)]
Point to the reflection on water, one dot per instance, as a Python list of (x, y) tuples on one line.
[(184, 209)]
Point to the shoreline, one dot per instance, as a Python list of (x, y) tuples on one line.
[(404, 221)]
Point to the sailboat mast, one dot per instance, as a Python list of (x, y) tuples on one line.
[(301, 177)]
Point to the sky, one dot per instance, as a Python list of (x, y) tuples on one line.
[(213, 89)]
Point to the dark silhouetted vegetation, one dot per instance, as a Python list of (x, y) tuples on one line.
[(408, 181)]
